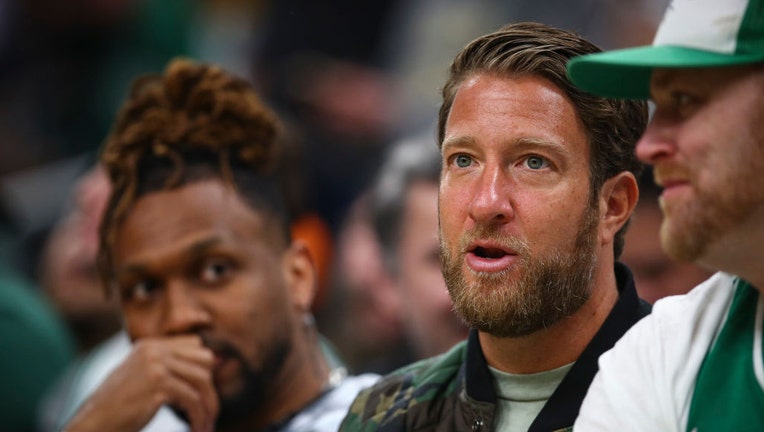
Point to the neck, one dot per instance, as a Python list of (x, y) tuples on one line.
[(559, 344), (739, 251)]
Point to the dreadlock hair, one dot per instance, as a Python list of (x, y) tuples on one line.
[(520, 49), (193, 122)]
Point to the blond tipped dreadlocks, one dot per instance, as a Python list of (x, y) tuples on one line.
[(192, 122)]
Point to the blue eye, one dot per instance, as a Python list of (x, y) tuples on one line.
[(463, 161), (536, 162)]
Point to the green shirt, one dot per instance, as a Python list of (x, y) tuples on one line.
[(729, 392), (35, 349)]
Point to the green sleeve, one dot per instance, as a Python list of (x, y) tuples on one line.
[(36, 348)]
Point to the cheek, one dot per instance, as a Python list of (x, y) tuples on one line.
[(551, 220), (452, 208), (139, 323), (253, 310)]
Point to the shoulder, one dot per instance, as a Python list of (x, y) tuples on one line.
[(388, 401), (646, 380), (680, 325), (705, 305)]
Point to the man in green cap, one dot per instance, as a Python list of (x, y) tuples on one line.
[(696, 363)]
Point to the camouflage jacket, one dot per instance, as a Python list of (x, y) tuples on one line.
[(455, 391)]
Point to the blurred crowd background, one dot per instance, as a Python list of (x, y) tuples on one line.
[(356, 82)]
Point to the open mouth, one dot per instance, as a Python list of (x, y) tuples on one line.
[(485, 257), (489, 252)]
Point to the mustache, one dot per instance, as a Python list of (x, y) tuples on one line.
[(669, 172), (494, 235)]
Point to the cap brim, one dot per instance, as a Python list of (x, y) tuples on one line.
[(626, 73)]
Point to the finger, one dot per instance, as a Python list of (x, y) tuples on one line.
[(182, 395), (200, 379), (190, 348), (166, 362), (199, 355)]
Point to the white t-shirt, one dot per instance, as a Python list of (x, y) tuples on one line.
[(646, 382), (326, 414)]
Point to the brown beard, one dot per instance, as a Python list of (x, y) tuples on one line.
[(690, 228), (535, 293)]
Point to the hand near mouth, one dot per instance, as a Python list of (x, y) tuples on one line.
[(175, 371)]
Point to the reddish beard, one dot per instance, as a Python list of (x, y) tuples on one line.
[(534, 293)]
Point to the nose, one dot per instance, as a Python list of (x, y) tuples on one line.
[(658, 141), (490, 202), (184, 312)]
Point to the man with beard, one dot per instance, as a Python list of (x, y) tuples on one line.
[(696, 364), (537, 185), (195, 244)]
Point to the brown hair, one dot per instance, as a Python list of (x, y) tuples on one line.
[(613, 125), (192, 122)]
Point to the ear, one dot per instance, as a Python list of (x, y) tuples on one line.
[(618, 198), (300, 275)]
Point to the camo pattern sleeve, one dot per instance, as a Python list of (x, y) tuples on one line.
[(414, 396)]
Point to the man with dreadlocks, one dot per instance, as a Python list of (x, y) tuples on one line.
[(214, 293)]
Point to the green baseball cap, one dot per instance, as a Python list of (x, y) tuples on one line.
[(692, 34)]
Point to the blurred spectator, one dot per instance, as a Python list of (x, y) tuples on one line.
[(363, 314), (36, 348), (405, 215), (68, 268), (655, 274), (33, 201), (388, 274)]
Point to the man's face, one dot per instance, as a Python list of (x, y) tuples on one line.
[(429, 317), (518, 233), (706, 143), (198, 260)]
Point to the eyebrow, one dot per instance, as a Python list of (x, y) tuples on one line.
[(533, 142), (195, 249), (523, 142), (460, 141), (201, 246)]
